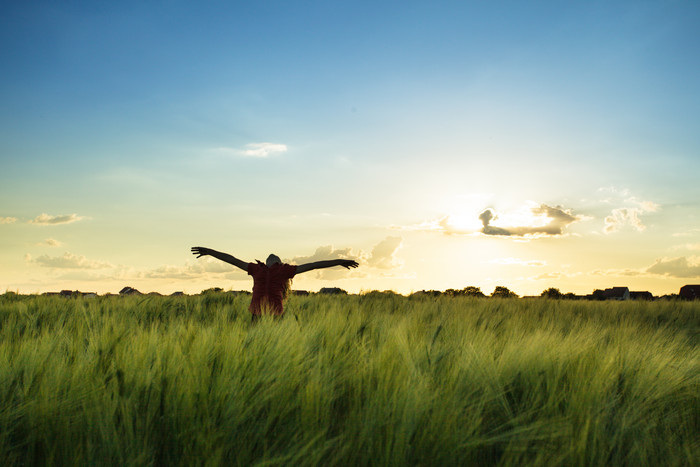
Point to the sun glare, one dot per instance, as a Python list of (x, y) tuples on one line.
[(523, 217), (463, 222)]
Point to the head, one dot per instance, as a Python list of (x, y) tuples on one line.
[(274, 259)]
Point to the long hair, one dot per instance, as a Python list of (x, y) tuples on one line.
[(272, 259), (286, 289)]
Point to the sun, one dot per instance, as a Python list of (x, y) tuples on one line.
[(462, 222)]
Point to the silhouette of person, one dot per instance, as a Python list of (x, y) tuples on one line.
[(271, 279)]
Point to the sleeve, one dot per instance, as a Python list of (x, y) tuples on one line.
[(253, 269), (290, 270)]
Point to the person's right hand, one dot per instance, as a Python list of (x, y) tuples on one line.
[(200, 250)]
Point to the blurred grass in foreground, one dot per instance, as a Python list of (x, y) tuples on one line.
[(348, 380)]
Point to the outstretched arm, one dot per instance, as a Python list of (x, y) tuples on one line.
[(346, 263), (201, 251)]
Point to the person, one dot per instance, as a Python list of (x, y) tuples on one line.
[(271, 279)]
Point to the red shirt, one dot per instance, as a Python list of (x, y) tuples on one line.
[(268, 286)]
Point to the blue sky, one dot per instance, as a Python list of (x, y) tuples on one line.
[(343, 128)]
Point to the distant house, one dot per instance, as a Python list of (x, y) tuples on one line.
[(641, 296), (617, 293), (332, 291), (690, 292), (177, 294), (129, 291), (300, 292)]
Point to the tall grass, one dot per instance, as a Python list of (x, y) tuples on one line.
[(356, 380)]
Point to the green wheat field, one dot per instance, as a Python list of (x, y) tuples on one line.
[(377, 379)]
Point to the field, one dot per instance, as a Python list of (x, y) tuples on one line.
[(377, 379)]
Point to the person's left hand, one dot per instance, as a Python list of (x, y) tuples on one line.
[(348, 263)]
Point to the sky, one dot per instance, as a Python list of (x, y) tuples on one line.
[(440, 144)]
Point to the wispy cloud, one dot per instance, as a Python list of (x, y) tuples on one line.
[(686, 246), (205, 268), (7, 220), (680, 267), (52, 242), (627, 272), (67, 261), (518, 262), (556, 275), (689, 233), (444, 225), (258, 150), (201, 269), (45, 219)]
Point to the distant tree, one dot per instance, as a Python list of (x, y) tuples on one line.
[(472, 291), (570, 296), (598, 294), (426, 293), (503, 292), (379, 294), (212, 290), (552, 293)]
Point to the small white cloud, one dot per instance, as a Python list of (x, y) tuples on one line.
[(68, 261), (621, 218), (52, 242), (8, 220), (45, 219), (646, 206), (258, 150), (629, 214)]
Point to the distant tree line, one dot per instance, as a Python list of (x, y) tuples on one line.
[(471, 291), (688, 292)]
